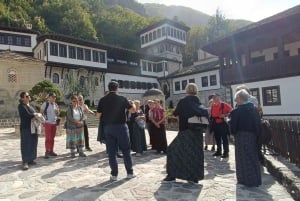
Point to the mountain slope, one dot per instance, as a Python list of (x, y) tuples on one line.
[(188, 15)]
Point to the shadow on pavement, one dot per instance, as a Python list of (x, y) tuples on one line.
[(178, 191)]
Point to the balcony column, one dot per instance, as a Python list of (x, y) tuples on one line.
[(280, 45)]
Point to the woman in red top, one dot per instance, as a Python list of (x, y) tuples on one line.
[(159, 140), (219, 111)]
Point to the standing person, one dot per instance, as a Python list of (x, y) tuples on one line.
[(74, 128), (185, 157), (29, 141), (219, 111), (149, 124), (209, 134), (85, 110), (50, 111), (138, 142), (158, 130), (111, 109), (246, 127)]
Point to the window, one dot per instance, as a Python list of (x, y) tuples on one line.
[(271, 95), (183, 84), (150, 36), (149, 85), (168, 31), (177, 86), (204, 81), (275, 55), (154, 35), (191, 80), (143, 39), (102, 57), (144, 85), (18, 40), (144, 65), (2, 39), (87, 54), (146, 38), (27, 42), (149, 67), (155, 85), (55, 78), (53, 49), (72, 52), (79, 53), (138, 85), (159, 67), (9, 40), (95, 56), (180, 35), (259, 59), (62, 50), (158, 33), (132, 85), (255, 92), (126, 84), (12, 76), (172, 32), (163, 31), (154, 67), (120, 84), (213, 80)]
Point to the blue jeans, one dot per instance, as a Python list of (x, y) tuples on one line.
[(118, 135)]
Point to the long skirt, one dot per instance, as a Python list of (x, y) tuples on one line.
[(75, 137), (159, 138), (138, 141), (246, 159), (185, 157), (29, 144)]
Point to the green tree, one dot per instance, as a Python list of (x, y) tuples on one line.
[(196, 37), (40, 91), (218, 26)]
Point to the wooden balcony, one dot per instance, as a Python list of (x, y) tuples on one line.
[(279, 68)]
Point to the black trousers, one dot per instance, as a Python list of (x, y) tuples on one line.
[(221, 132), (86, 135)]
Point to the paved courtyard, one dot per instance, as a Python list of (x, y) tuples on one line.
[(87, 179)]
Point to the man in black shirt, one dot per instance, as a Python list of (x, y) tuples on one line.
[(111, 110)]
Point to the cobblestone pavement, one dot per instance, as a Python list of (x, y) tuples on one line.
[(87, 179)]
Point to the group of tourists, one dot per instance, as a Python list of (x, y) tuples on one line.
[(122, 128)]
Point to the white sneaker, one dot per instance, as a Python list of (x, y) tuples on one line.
[(130, 176), (113, 178)]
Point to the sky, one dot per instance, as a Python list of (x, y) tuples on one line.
[(252, 10)]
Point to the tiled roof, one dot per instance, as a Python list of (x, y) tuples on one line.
[(196, 69)]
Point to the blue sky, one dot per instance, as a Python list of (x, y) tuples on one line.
[(253, 10)]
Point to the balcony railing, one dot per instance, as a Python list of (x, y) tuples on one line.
[(278, 68)]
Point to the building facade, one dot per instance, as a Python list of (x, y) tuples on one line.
[(265, 56)]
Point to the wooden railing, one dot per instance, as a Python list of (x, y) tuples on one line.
[(286, 139)]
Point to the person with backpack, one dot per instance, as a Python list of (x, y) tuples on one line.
[(219, 111), (50, 111)]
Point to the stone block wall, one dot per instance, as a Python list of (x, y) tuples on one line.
[(9, 123)]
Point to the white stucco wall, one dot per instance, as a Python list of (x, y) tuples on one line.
[(289, 92)]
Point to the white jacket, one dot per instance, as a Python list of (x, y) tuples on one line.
[(36, 123)]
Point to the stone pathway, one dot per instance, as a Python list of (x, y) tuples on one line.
[(87, 179)]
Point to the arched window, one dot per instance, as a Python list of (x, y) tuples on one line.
[(55, 78), (12, 76)]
